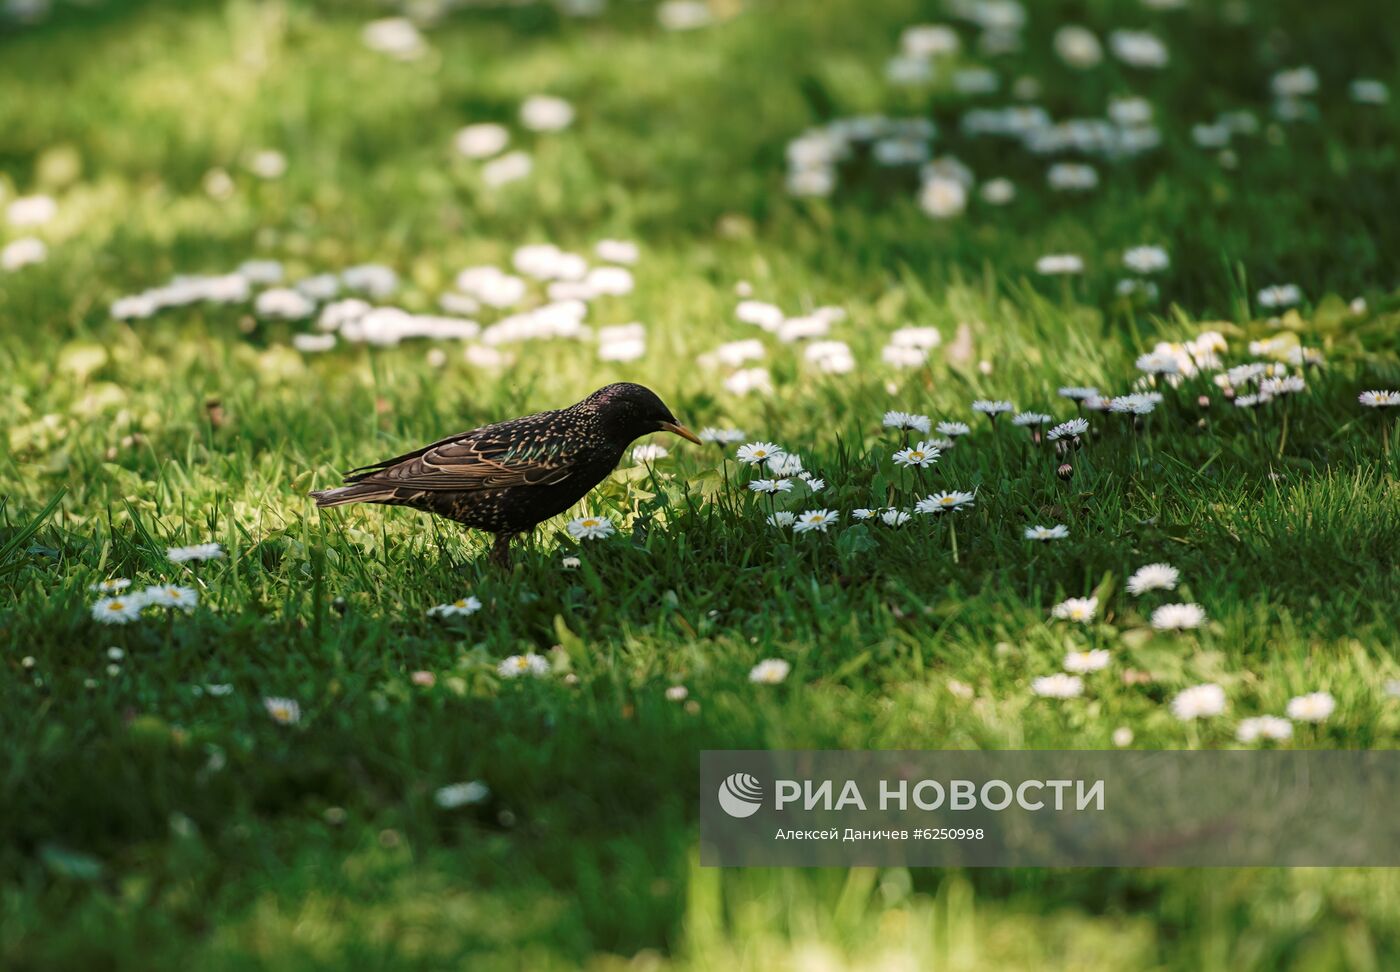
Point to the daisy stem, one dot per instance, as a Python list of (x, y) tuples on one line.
[(1283, 431), (953, 535)]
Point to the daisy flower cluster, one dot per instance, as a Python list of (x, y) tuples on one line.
[(545, 295), (120, 604)]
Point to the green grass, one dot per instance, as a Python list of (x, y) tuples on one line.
[(143, 826)]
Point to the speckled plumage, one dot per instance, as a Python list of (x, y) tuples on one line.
[(507, 477)]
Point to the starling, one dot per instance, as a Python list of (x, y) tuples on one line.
[(506, 478)]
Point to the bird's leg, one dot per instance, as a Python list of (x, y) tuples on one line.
[(500, 550)]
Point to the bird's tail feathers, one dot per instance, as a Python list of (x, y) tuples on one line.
[(355, 493)]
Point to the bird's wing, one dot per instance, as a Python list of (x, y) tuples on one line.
[(489, 458)]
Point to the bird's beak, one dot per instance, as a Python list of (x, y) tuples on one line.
[(681, 431)]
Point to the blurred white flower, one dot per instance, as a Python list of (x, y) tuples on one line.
[(1046, 534), (395, 36), (649, 452), (506, 169), (1153, 577), (1084, 662), (481, 141), (770, 671), (684, 14), (998, 192), (1178, 617), (906, 420), (461, 794), (1078, 47), (23, 252), (1138, 48), (943, 198), (463, 607), (1198, 702), (171, 596), (27, 212), (286, 712), (1079, 609), (1146, 259), (1058, 686), (197, 552), (284, 304), (121, 609), (1263, 727), (517, 666), (1058, 264), (1313, 707), (546, 113)]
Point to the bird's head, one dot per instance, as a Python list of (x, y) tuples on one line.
[(627, 411)]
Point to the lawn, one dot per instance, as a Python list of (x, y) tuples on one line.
[(264, 767)]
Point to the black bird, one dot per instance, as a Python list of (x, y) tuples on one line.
[(507, 477)]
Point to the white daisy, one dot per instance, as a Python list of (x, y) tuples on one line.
[(1078, 393), (1027, 419), (786, 464), (460, 608), (1153, 577), (1057, 532), (1178, 617), (894, 518), (1072, 429), (1146, 259), (814, 485), (906, 420), (481, 141), (771, 485), (757, 453), (920, 455), (571, 563), (1122, 736), (991, 408), (677, 693), (1058, 686), (1136, 404), (546, 113), (1264, 727), (1199, 701), (953, 429), (285, 712), (1280, 295), (590, 528), (649, 453), (461, 794), (815, 520), (197, 552), (863, 514), (1379, 398), (118, 610), (945, 502), (770, 671), (1313, 707), (1083, 662), (519, 665), (722, 436), (172, 596), (1080, 609), (1059, 264), (113, 585), (782, 518)]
